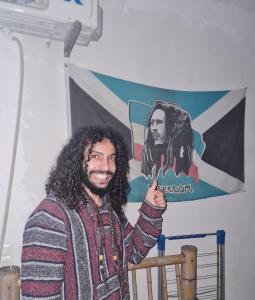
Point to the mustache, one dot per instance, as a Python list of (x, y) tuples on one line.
[(155, 133), (108, 173)]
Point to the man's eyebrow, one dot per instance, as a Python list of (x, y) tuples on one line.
[(101, 153), (113, 154), (96, 152)]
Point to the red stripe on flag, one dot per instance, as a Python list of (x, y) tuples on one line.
[(193, 172), (138, 150)]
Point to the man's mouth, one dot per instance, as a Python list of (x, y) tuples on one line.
[(155, 135), (102, 175)]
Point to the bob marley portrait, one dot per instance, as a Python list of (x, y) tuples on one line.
[(168, 140)]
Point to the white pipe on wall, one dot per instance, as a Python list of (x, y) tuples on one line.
[(15, 141)]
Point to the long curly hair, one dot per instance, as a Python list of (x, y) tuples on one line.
[(65, 180), (179, 143)]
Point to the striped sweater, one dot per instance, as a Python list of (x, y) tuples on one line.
[(60, 253)]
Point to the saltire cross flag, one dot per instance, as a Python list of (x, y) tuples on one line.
[(192, 142)]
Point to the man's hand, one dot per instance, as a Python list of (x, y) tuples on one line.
[(154, 196)]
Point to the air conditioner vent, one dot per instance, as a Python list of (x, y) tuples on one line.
[(37, 4), (78, 21)]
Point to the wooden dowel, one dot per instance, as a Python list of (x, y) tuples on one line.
[(178, 281), (149, 284), (151, 262), (134, 285), (164, 283), (189, 273)]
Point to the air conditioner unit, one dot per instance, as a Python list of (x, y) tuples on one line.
[(70, 21)]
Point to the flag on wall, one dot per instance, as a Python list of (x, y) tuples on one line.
[(192, 142)]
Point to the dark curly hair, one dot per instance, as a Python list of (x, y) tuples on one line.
[(65, 180)]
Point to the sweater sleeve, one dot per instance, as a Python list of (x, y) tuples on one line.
[(43, 255), (138, 240)]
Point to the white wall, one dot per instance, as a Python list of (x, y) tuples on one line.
[(186, 45)]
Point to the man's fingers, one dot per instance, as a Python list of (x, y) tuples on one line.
[(154, 185), (155, 195), (159, 194)]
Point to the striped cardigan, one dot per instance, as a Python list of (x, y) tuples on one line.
[(60, 253)]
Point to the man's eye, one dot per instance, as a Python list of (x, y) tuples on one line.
[(93, 156), (113, 158)]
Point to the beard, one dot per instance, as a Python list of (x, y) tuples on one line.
[(92, 187)]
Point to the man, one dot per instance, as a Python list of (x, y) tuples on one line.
[(168, 140), (77, 243)]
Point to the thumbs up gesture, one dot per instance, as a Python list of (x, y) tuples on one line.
[(154, 196)]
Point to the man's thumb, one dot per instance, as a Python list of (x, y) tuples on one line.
[(154, 185)]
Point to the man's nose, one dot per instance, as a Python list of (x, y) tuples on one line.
[(154, 127), (105, 165)]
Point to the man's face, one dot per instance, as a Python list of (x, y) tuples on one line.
[(100, 166), (158, 126)]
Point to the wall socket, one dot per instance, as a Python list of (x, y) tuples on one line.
[(6, 259)]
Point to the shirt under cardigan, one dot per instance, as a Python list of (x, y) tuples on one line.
[(60, 251)]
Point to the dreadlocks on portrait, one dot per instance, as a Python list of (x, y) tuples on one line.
[(77, 243), (168, 140)]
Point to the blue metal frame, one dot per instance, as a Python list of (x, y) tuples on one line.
[(220, 238)]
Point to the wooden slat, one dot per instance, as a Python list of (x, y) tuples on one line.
[(149, 284), (151, 262), (164, 283), (178, 281), (134, 285)]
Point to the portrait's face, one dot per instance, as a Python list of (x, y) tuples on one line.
[(100, 166), (158, 126)]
